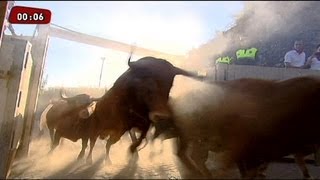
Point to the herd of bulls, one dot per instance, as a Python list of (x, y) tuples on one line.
[(252, 121)]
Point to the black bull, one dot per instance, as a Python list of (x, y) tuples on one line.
[(138, 98), (252, 121)]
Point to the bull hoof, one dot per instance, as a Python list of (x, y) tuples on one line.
[(133, 149), (49, 153)]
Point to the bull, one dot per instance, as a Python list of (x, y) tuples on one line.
[(71, 125), (138, 98), (253, 121), (67, 118)]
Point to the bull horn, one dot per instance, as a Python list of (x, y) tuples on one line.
[(179, 71), (132, 49), (63, 96)]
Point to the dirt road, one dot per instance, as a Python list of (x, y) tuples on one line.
[(149, 164)]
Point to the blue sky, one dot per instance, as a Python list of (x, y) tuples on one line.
[(169, 26)]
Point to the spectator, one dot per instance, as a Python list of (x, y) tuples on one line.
[(296, 58), (314, 60)]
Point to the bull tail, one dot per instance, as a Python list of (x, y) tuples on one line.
[(43, 118)]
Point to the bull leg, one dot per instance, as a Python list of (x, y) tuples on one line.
[(259, 172), (199, 156), (184, 154), (262, 171), (149, 138), (40, 134), (133, 146), (250, 170), (155, 150), (83, 148), (56, 140), (133, 136), (51, 132), (112, 140), (241, 168), (316, 155), (299, 158), (92, 143)]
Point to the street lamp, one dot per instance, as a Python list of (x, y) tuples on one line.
[(103, 59)]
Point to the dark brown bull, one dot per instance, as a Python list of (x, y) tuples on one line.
[(253, 121), (69, 118)]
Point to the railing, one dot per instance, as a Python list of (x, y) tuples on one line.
[(230, 72)]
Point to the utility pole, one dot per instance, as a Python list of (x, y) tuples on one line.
[(103, 59)]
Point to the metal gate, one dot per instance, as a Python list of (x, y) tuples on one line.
[(15, 67)]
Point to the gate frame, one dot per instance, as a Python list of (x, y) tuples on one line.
[(40, 45)]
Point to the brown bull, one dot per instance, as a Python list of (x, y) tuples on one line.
[(69, 118), (253, 121), (66, 118)]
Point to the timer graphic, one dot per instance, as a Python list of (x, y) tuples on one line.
[(29, 15)]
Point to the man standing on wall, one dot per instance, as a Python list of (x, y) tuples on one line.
[(296, 58)]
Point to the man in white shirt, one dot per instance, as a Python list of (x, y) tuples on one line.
[(295, 58)]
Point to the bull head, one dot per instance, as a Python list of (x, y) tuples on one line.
[(81, 98)]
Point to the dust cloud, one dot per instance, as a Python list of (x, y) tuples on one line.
[(259, 22), (189, 99), (62, 162)]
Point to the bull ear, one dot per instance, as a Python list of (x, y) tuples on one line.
[(84, 114), (87, 112)]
